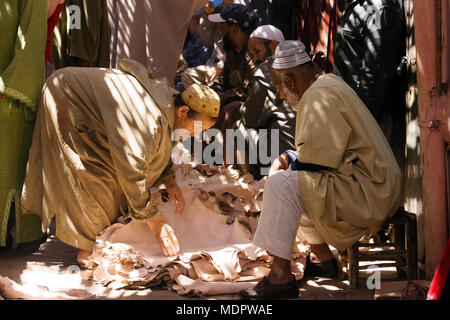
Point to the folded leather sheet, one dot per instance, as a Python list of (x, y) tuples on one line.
[(214, 232)]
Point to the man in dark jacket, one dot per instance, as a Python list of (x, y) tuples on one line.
[(369, 49), (263, 108), (236, 23)]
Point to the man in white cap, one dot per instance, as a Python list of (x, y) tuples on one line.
[(343, 185), (263, 42), (263, 108)]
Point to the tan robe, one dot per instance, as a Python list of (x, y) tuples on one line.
[(102, 139), (363, 185), (151, 32)]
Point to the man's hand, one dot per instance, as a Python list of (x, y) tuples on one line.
[(175, 194), (165, 236), (280, 164), (212, 74)]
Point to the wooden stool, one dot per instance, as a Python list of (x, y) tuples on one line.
[(403, 252)]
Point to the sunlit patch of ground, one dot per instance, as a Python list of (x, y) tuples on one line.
[(53, 269)]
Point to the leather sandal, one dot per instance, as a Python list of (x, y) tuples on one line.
[(266, 290), (326, 269)]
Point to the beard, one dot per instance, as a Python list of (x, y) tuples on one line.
[(258, 61), (292, 98), (267, 54), (228, 44)]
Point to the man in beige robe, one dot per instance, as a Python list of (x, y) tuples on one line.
[(103, 137), (347, 180)]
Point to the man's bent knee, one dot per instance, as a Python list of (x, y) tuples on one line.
[(277, 181)]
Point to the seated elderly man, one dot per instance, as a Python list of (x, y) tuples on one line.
[(346, 183), (264, 109), (103, 137)]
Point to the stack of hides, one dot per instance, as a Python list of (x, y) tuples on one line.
[(214, 232)]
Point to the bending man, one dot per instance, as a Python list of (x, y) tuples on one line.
[(103, 137)]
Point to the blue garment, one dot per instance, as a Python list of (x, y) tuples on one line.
[(216, 3), (195, 52), (296, 165)]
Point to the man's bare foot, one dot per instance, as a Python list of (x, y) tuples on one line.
[(82, 257)]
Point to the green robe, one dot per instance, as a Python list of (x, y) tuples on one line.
[(23, 25)]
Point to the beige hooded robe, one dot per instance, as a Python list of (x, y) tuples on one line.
[(102, 139), (363, 184)]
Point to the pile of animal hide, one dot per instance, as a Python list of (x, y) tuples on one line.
[(214, 232)]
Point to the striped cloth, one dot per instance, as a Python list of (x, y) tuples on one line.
[(283, 217)]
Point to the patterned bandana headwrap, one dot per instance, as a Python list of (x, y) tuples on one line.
[(202, 99)]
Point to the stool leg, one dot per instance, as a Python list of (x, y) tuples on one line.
[(353, 266), (412, 249), (399, 243)]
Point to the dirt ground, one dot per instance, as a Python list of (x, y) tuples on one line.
[(54, 267)]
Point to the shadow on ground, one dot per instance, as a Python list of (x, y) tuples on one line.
[(54, 267)]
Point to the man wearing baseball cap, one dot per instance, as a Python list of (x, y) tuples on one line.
[(241, 20), (237, 22)]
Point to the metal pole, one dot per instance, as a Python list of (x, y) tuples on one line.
[(439, 47)]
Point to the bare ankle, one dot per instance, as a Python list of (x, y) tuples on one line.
[(280, 272), (321, 253)]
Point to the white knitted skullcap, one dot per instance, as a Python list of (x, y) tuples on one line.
[(290, 54), (268, 32)]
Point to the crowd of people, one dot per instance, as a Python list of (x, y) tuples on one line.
[(92, 93)]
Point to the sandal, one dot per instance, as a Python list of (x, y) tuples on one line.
[(326, 269), (266, 290)]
